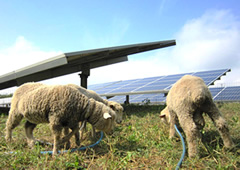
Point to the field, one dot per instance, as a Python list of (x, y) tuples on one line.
[(140, 142)]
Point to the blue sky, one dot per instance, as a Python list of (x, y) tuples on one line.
[(207, 35)]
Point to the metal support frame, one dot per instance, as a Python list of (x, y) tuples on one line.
[(127, 100), (84, 75)]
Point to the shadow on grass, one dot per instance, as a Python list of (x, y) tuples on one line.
[(142, 110), (212, 140), (130, 146), (123, 146)]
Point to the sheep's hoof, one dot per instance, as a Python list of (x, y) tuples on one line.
[(231, 147), (67, 146), (77, 142), (194, 156), (8, 139), (229, 144), (54, 154), (31, 144)]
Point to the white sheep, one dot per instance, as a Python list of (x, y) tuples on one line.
[(58, 105), (186, 101), (92, 94)]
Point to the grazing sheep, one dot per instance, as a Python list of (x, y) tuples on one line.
[(186, 101), (92, 94), (60, 106)]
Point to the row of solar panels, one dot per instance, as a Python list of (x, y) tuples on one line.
[(219, 94), (160, 83), (154, 83), (164, 82)]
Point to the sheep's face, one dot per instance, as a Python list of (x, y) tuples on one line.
[(106, 123), (165, 115), (118, 109)]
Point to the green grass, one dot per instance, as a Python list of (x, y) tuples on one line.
[(140, 142)]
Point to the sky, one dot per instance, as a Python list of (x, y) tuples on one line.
[(207, 34)]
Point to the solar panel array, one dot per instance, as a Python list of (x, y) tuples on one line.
[(150, 84), (227, 93), (231, 93)]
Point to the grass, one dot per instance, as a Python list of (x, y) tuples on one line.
[(140, 142)]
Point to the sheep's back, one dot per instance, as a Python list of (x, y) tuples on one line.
[(22, 91), (57, 101), (89, 93), (188, 91)]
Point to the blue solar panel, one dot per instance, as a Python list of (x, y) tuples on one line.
[(119, 99), (210, 76), (150, 88), (218, 94), (215, 91), (229, 94), (96, 87), (153, 83)]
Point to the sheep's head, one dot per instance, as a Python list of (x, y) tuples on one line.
[(118, 109), (165, 115), (107, 120)]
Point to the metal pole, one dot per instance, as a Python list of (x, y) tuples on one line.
[(84, 75)]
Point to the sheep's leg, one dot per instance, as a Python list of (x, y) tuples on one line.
[(221, 125), (192, 134), (13, 121), (56, 130), (77, 138), (83, 129), (66, 132), (171, 130), (93, 132), (67, 137), (29, 127), (172, 123), (199, 121)]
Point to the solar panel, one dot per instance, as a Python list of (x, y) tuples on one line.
[(96, 87), (5, 101), (153, 98), (215, 91), (160, 83), (210, 76), (218, 94), (229, 94), (152, 84)]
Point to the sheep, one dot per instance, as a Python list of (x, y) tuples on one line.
[(92, 94), (186, 101), (58, 105)]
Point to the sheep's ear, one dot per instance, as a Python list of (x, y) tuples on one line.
[(106, 115), (162, 116)]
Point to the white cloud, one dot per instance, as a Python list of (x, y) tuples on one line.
[(205, 43), (210, 42), (22, 53)]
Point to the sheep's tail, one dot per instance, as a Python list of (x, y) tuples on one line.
[(200, 96)]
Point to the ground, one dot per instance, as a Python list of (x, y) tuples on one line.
[(140, 142)]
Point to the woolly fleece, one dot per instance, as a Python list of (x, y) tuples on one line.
[(186, 101), (60, 106)]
